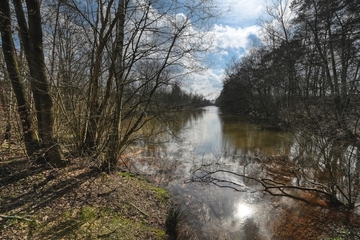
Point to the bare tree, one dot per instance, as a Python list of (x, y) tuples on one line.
[(138, 48), (28, 129), (30, 28)]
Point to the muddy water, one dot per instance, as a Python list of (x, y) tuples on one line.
[(213, 212)]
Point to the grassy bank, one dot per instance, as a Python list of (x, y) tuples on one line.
[(77, 202)]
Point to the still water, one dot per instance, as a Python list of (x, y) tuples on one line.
[(212, 137)]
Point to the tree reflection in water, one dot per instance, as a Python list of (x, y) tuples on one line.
[(223, 142)]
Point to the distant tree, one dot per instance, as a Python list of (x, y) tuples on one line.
[(250, 87), (307, 76)]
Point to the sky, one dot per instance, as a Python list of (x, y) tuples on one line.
[(234, 34)]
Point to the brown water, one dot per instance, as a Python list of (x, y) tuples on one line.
[(212, 212)]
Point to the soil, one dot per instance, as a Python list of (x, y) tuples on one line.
[(76, 202), (309, 221)]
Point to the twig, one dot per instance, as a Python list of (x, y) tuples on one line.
[(16, 217), (106, 193), (106, 235), (142, 212)]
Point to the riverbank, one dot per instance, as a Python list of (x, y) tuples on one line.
[(77, 202)]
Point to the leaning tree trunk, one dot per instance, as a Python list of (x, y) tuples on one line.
[(31, 41), (29, 136), (40, 85)]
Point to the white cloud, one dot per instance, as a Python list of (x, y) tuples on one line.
[(241, 11), (208, 83), (224, 52), (228, 42), (230, 37)]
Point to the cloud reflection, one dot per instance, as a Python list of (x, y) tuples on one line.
[(243, 211)]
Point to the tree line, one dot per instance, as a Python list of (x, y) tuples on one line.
[(303, 76), (307, 65), (89, 74)]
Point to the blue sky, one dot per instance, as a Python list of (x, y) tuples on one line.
[(234, 34)]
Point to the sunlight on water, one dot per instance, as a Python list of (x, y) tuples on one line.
[(243, 211)]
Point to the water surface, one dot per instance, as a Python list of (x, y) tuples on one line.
[(207, 137)]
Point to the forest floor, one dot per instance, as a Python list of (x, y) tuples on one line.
[(76, 202)]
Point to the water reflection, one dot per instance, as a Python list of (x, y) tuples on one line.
[(242, 137), (243, 210), (202, 137), (207, 137)]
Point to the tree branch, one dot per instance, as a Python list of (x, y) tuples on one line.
[(16, 217), (269, 185)]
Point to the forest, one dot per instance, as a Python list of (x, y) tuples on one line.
[(89, 75), (303, 77), (306, 65)]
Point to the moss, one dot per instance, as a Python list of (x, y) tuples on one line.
[(105, 177), (161, 194), (344, 232), (87, 213), (97, 223), (127, 174), (159, 233), (5, 145)]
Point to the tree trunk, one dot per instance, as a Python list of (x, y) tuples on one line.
[(112, 154), (96, 107), (31, 41), (29, 136), (40, 85)]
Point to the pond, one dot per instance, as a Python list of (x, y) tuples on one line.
[(212, 212)]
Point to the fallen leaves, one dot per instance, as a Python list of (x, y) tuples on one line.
[(123, 204)]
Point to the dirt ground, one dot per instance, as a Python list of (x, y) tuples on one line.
[(76, 202)]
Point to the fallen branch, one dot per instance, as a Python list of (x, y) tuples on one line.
[(107, 235), (142, 212), (16, 217), (107, 193)]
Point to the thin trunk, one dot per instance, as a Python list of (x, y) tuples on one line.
[(95, 108), (5, 106), (118, 61)]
